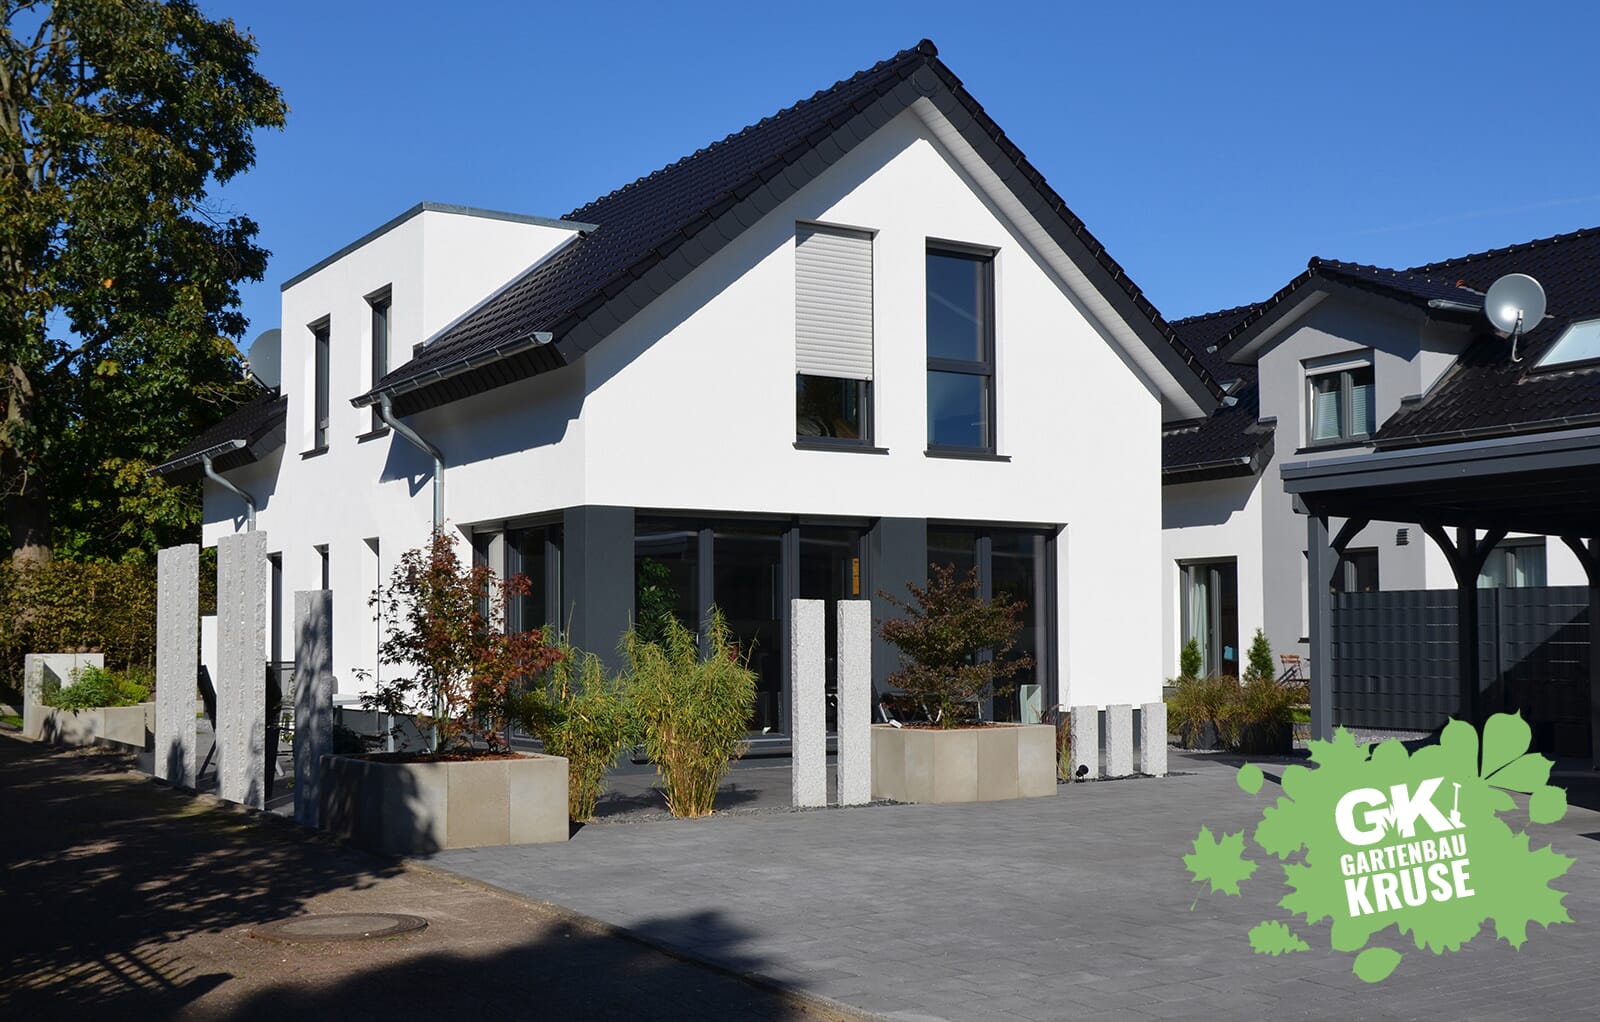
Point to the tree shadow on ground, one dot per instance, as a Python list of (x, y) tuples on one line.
[(102, 870), (572, 971)]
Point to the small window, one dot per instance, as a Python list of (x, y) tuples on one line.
[(961, 413), (833, 336), (1579, 343), (380, 347), (1357, 572), (320, 430), (831, 409), (1514, 564), (1340, 405)]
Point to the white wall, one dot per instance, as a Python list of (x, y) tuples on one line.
[(690, 405)]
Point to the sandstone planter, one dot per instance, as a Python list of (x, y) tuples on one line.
[(417, 808), (124, 725), (982, 764)]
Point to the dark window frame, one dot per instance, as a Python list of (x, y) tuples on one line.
[(321, 384), (1346, 573), (381, 304), (1346, 375), (983, 368), (865, 440)]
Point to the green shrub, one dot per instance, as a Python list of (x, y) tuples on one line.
[(65, 605), (1198, 707), (579, 713), (1189, 662), (694, 713), (1258, 662), (95, 688), (1260, 717)]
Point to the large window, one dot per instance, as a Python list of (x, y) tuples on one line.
[(1013, 562), (380, 346), (319, 433), (960, 351), (1514, 564), (535, 554), (1340, 404), (1210, 605), (833, 336)]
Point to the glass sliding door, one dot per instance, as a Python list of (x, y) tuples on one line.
[(1210, 600), (748, 587)]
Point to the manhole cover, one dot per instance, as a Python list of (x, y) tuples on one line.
[(340, 926)]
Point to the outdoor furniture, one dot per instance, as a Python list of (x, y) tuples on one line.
[(1293, 668)]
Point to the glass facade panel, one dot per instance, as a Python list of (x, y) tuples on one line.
[(1210, 602), (536, 555), (958, 413), (831, 569), (747, 569), (1018, 570), (950, 546), (666, 558)]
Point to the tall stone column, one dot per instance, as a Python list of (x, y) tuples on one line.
[(1119, 740), (313, 699), (242, 668), (177, 661), (1085, 738), (1153, 739), (854, 665), (808, 706)]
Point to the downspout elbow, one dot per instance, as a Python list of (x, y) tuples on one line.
[(249, 501), (386, 413)]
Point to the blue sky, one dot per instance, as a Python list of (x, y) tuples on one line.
[(1212, 147)]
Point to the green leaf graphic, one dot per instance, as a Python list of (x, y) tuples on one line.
[(1547, 805), (1375, 963), (1274, 938), (1222, 863), (1250, 778), (1505, 737)]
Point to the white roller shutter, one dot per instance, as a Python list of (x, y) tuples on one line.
[(833, 302)]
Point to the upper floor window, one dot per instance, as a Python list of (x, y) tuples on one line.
[(833, 336), (1580, 342), (1357, 572), (1340, 404), (960, 350), (319, 334), (380, 345)]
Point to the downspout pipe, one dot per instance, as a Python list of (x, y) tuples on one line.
[(249, 501), (386, 413)]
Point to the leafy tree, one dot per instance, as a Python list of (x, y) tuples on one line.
[(954, 645), (118, 283), (456, 670)]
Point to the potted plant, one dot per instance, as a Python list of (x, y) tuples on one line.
[(99, 706), (452, 669), (954, 647)]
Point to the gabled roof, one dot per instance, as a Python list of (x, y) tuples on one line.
[(653, 232), (1418, 287), (246, 434), (1486, 394), (1230, 442)]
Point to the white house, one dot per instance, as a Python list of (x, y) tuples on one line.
[(855, 338), (1347, 359)]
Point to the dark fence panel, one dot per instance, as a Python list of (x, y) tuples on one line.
[(1394, 659)]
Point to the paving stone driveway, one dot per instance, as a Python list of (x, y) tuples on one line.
[(1071, 907)]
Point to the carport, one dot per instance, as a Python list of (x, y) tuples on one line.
[(1467, 497)]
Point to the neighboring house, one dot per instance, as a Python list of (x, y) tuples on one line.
[(1347, 359), (855, 338)]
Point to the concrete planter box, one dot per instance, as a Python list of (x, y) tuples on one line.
[(132, 726), (980, 764), (418, 808)]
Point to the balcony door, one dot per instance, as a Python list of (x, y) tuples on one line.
[(1210, 596)]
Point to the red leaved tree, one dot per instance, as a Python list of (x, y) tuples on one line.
[(456, 666)]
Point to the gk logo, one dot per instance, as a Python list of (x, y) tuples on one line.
[(1402, 813)]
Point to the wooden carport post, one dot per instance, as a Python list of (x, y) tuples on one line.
[(1466, 556), (1322, 560), (1589, 554)]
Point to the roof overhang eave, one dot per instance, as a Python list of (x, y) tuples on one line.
[(459, 367), (191, 460)]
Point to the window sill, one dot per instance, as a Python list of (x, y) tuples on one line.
[(381, 431), (956, 454), (314, 452), (819, 445), (1336, 445)]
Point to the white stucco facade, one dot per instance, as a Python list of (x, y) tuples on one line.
[(690, 406)]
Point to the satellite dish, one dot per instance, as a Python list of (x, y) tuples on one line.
[(266, 357), (1514, 305)]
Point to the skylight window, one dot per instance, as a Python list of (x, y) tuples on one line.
[(1580, 343)]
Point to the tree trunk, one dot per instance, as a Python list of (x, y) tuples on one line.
[(27, 507)]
